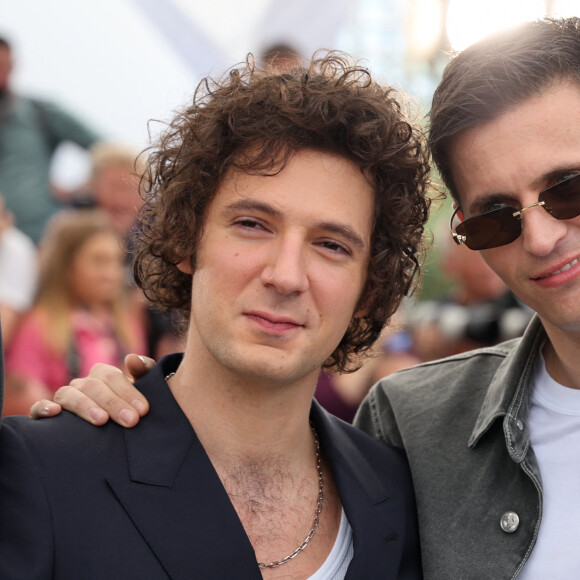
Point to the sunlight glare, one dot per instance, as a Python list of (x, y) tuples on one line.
[(426, 21), (470, 20), (565, 8)]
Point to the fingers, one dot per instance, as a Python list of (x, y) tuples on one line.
[(114, 392), (44, 408), (74, 400), (105, 393), (138, 365)]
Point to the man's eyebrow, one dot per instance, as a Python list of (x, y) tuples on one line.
[(339, 229), (343, 231), (538, 183), (487, 199), (252, 205)]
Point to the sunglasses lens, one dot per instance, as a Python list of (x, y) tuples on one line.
[(563, 199), (490, 230)]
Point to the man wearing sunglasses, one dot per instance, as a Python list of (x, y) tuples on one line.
[(493, 436)]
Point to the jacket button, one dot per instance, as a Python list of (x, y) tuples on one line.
[(509, 522)]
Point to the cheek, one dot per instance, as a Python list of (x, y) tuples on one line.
[(337, 295), (501, 261)]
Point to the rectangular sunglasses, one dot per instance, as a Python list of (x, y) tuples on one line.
[(502, 226)]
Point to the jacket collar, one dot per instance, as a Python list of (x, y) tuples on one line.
[(173, 494), (509, 394), (342, 454), (186, 531), (167, 447), (377, 513)]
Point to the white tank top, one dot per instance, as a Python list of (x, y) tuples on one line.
[(337, 562)]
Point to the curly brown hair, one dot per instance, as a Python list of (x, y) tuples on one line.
[(253, 120)]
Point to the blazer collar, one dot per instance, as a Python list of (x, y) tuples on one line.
[(166, 447), (342, 454), (180, 507), (175, 497), (378, 514)]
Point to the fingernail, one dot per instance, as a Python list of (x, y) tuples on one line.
[(97, 414), (45, 410), (126, 416), (139, 405), (146, 362)]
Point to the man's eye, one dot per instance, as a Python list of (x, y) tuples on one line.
[(249, 223), (335, 247), (492, 206)]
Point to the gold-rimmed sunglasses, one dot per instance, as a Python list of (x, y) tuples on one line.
[(502, 226)]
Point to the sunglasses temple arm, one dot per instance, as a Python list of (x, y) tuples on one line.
[(457, 238)]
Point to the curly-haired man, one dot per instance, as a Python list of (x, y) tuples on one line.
[(492, 436), (283, 218)]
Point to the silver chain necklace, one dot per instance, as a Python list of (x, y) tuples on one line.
[(317, 511)]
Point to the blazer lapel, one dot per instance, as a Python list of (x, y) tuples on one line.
[(376, 513), (174, 496), (177, 502)]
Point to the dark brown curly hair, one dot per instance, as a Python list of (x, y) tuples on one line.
[(253, 120)]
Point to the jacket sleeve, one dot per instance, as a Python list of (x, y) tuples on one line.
[(26, 535)]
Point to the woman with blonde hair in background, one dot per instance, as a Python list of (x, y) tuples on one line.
[(80, 315)]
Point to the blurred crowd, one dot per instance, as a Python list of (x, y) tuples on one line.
[(67, 300)]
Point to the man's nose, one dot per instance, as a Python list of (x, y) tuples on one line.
[(286, 267), (540, 231)]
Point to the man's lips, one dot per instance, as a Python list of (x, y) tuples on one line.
[(560, 270), (273, 322)]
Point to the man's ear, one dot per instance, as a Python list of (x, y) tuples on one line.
[(185, 266)]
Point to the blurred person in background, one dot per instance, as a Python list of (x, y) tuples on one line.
[(79, 316), (30, 131), (114, 188), (18, 274), (281, 57)]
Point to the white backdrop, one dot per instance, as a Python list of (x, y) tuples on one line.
[(118, 63)]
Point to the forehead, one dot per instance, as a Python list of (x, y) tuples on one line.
[(521, 149)]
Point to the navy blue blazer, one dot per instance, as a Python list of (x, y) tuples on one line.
[(78, 501)]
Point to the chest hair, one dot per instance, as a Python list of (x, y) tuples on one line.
[(272, 502)]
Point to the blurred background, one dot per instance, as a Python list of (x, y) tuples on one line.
[(95, 74), (119, 63)]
